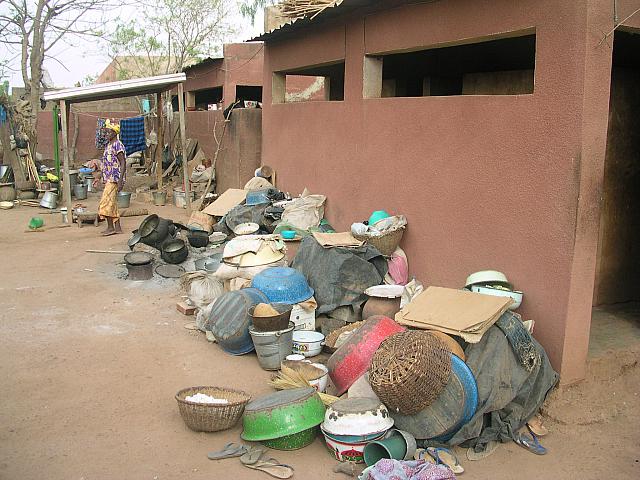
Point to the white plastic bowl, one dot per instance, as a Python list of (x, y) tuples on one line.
[(497, 292), (488, 277), (307, 343)]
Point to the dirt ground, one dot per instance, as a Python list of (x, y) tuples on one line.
[(90, 364)]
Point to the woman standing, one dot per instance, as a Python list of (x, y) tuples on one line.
[(113, 171)]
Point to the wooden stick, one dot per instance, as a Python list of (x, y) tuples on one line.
[(117, 252)]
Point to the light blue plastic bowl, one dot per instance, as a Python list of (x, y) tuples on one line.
[(283, 285)]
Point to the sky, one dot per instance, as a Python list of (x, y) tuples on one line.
[(86, 56)]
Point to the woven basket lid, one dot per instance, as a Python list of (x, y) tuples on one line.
[(409, 370)]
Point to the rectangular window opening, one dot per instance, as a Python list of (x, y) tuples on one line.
[(251, 93), (309, 84), (494, 67)]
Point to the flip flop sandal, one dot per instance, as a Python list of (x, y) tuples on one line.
[(252, 456), (536, 427), (531, 443), (490, 447), (422, 454), (272, 467), (230, 450), (444, 456)]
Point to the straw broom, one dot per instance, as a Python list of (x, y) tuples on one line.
[(288, 378)]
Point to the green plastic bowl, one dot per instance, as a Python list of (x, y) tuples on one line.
[(295, 441), (282, 414)]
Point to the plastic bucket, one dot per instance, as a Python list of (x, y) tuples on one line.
[(272, 347), (124, 199), (159, 198), (80, 191), (392, 447)]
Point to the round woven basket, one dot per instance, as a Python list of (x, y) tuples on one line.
[(203, 417), (409, 370), (386, 244)]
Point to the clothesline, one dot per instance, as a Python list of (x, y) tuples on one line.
[(111, 116)]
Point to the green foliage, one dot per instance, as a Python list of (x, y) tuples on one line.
[(249, 8), (168, 35)]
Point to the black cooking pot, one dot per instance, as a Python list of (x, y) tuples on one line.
[(154, 230), (198, 238), (174, 251)]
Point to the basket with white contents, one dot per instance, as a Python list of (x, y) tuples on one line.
[(211, 409)]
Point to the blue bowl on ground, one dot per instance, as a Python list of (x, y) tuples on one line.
[(283, 285), (288, 234)]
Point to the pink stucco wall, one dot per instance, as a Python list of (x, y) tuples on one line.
[(502, 182)]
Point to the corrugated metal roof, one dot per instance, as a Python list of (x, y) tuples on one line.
[(331, 13), (203, 63), (125, 88)]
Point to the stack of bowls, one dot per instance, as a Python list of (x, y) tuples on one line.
[(351, 424), (271, 333)]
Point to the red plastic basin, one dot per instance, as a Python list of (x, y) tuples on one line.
[(353, 358)]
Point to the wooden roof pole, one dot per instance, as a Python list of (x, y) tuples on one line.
[(65, 158), (160, 146), (183, 142)]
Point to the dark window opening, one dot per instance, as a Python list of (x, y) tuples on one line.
[(204, 98), (319, 83), (495, 67), (249, 93)]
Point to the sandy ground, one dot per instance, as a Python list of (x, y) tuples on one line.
[(90, 364)]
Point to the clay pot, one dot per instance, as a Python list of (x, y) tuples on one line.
[(387, 307)]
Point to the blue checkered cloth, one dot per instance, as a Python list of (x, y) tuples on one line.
[(132, 134)]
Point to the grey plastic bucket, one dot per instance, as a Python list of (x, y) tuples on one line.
[(273, 347), (80, 191)]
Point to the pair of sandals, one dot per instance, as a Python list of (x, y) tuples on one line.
[(254, 458), (440, 456)]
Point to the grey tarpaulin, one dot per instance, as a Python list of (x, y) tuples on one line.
[(508, 394), (339, 276), (242, 214)]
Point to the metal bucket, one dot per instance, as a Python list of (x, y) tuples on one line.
[(159, 198), (49, 200), (180, 197), (80, 191), (124, 199), (272, 347), (73, 177), (88, 181)]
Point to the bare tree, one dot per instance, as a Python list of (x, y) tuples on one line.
[(30, 29), (170, 35)]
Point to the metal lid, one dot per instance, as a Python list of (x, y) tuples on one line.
[(170, 271), (138, 258), (279, 399), (356, 405)]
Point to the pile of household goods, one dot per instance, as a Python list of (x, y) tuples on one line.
[(412, 372)]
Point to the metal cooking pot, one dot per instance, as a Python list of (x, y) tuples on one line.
[(155, 230), (49, 200), (198, 238), (174, 251), (138, 258)]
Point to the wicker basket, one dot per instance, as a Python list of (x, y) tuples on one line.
[(409, 370), (212, 418), (386, 244)]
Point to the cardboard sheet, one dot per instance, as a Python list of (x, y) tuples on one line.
[(225, 202), (344, 239), (456, 312)]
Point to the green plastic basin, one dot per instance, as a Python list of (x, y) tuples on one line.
[(281, 414)]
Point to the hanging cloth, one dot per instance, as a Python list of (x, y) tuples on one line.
[(132, 134), (101, 138)]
